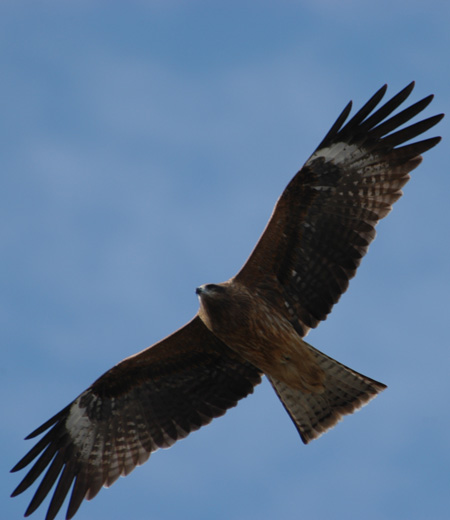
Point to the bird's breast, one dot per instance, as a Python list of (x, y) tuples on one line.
[(266, 338)]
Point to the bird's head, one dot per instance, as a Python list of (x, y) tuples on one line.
[(212, 297), (210, 290), (222, 305), (214, 303)]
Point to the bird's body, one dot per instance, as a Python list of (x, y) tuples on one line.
[(260, 333), (249, 326)]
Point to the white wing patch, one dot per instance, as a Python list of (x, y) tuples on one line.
[(340, 153), (80, 428), (337, 153)]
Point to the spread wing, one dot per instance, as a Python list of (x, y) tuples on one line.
[(146, 402), (325, 219)]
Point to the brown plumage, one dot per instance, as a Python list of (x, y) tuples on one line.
[(251, 325)]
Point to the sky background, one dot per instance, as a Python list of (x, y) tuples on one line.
[(143, 146)]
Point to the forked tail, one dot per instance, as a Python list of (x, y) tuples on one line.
[(344, 392)]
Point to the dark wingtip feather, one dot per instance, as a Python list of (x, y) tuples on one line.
[(416, 149), (410, 132), (355, 120), (407, 90), (47, 424), (62, 488), (364, 111), (28, 457), (375, 129), (78, 493), (388, 125), (383, 112), (336, 125)]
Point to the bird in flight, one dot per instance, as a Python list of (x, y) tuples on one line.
[(252, 325)]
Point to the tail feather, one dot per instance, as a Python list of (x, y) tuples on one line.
[(345, 391)]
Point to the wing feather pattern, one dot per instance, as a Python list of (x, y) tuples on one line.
[(320, 230), (325, 220), (148, 401)]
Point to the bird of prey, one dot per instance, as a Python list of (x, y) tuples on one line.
[(249, 326)]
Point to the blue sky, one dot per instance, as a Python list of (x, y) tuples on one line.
[(144, 145)]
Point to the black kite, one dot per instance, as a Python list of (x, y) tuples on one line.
[(251, 325)]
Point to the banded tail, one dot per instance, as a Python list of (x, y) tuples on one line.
[(345, 391)]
